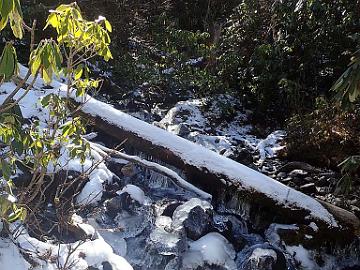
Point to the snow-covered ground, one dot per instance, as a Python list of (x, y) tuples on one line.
[(201, 121)]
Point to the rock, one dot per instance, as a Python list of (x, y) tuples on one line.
[(277, 234), (322, 182), (297, 165), (338, 202), (206, 266), (293, 185), (261, 257), (355, 210), (309, 188), (115, 167), (22, 177), (129, 170), (299, 181), (119, 203), (173, 264), (242, 155), (286, 180), (181, 130), (233, 229), (281, 175), (197, 223), (298, 173), (323, 190), (169, 210), (355, 267), (194, 216), (357, 202), (107, 266)]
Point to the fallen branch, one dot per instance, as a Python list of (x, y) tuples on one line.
[(152, 166)]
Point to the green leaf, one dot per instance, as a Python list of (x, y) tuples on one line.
[(18, 147), (52, 20), (45, 100), (6, 8), (16, 24), (8, 62), (6, 169), (108, 26), (3, 22), (78, 71)]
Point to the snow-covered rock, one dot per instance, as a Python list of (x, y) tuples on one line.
[(135, 193), (211, 249), (194, 216)]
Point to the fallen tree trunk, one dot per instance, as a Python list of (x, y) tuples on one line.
[(233, 184)]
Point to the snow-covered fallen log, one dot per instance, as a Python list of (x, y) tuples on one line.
[(226, 180), (215, 174)]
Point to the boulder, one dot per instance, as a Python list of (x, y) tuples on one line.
[(261, 257), (120, 203), (197, 223), (194, 216)]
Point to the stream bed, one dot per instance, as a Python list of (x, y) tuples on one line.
[(157, 225)]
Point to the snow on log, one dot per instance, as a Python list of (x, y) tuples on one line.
[(208, 170)]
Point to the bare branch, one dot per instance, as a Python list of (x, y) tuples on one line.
[(104, 151)]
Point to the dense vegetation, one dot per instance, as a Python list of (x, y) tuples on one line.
[(280, 55)]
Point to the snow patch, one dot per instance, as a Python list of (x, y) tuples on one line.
[(79, 255), (270, 145), (213, 249), (10, 256), (135, 193), (302, 256)]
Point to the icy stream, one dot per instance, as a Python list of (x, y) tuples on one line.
[(156, 225)]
